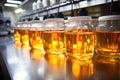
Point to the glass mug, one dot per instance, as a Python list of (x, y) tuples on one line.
[(35, 34), (108, 36), (80, 37), (53, 36)]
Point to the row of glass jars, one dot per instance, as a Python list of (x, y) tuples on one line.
[(78, 37)]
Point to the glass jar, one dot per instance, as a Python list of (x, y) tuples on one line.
[(80, 37), (35, 34), (53, 36), (25, 34), (17, 34), (108, 36)]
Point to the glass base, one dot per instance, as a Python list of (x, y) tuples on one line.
[(108, 54), (84, 56)]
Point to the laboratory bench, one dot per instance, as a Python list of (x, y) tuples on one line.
[(23, 63)]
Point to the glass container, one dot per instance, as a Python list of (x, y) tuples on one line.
[(108, 36), (17, 34), (80, 37), (53, 36), (35, 34), (25, 34)]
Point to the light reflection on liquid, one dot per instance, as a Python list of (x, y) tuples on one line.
[(107, 68), (56, 68), (80, 70), (36, 55)]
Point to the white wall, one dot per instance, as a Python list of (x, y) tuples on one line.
[(8, 12)]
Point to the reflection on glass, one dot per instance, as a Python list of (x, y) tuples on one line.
[(107, 68), (80, 70), (36, 55), (56, 68)]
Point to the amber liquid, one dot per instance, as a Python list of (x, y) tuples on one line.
[(53, 42), (25, 37), (17, 36), (108, 43), (80, 44), (35, 39)]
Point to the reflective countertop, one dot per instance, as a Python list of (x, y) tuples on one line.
[(25, 64)]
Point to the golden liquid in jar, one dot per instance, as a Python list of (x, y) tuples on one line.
[(25, 37), (17, 36), (108, 44), (53, 42), (80, 44), (35, 39)]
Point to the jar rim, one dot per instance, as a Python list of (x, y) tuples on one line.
[(26, 22), (80, 18), (35, 21), (56, 19), (110, 17), (18, 23)]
